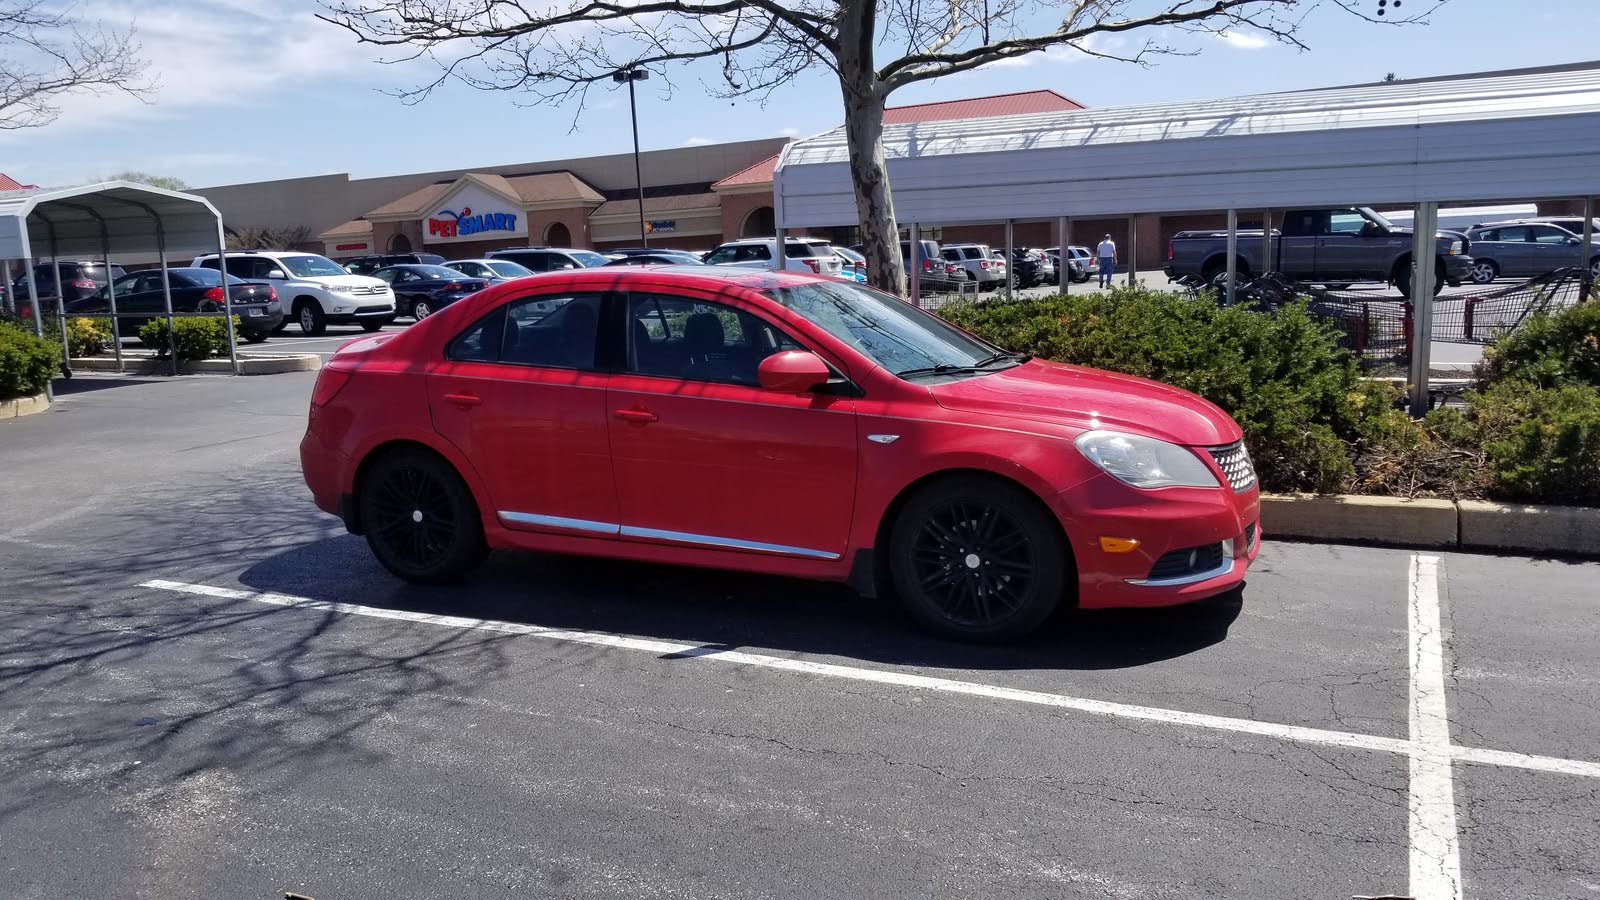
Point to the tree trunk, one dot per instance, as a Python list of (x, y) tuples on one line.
[(863, 126), (863, 123)]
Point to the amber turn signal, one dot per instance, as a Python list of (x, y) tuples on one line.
[(1118, 545)]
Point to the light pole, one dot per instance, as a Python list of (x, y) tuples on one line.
[(630, 76)]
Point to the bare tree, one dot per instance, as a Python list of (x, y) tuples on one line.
[(269, 237), (47, 54), (160, 181), (554, 50)]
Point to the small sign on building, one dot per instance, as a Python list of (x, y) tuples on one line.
[(660, 226)]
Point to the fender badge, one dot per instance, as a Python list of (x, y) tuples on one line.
[(883, 438)]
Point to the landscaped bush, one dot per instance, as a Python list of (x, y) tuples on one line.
[(88, 336), (1535, 444), (27, 363), (1548, 349), (193, 338), (1297, 395)]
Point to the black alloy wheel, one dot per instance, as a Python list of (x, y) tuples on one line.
[(977, 559), (420, 518)]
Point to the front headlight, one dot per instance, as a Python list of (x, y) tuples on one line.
[(1144, 462), (1455, 248)]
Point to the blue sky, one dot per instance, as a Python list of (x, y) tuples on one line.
[(246, 94)]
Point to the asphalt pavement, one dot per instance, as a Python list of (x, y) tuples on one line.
[(208, 690)]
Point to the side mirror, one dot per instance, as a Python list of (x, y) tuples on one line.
[(1371, 229), (1573, 242), (274, 273), (792, 371)]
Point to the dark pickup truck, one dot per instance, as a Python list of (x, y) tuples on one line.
[(1336, 246)]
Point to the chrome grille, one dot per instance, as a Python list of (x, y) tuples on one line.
[(1234, 460)]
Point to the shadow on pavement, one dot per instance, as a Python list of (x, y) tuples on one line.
[(734, 610), (79, 384)]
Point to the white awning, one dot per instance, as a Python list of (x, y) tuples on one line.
[(129, 215), (1523, 135)]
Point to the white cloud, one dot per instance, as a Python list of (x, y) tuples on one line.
[(1243, 40), (698, 142), (789, 132), (218, 53)]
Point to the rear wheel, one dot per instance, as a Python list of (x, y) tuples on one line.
[(977, 559), (421, 308), (1484, 271), (421, 521), (255, 337), (371, 325)]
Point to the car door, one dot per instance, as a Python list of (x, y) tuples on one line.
[(1515, 249), (1297, 247), (1342, 251), (1552, 248), (520, 393), (704, 456)]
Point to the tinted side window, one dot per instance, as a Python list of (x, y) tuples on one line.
[(209, 263), (1301, 222), (1517, 234), (1492, 234), (1346, 222), (242, 267), (721, 255), (1544, 234), (696, 340), (481, 342), (557, 331)]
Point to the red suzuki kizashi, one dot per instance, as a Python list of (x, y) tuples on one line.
[(782, 423)]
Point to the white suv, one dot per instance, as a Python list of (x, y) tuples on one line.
[(801, 255), (312, 290), (980, 264)]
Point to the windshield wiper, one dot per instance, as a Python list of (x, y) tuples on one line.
[(977, 368), (993, 358)]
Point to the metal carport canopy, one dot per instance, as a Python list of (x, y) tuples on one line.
[(130, 213), (1529, 134)]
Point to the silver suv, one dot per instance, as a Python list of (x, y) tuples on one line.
[(979, 261), (801, 255), (313, 290), (549, 259)]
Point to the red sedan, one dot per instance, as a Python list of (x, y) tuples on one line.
[(781, 423)]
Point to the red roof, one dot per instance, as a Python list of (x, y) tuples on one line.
[(7, 183), (1019, 104)]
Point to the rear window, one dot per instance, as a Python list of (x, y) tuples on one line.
[(802, 249), (972, 253)]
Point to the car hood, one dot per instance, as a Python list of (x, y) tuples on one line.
[(354, 280), (1090, 398)]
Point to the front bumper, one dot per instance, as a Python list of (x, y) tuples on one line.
[(1162, 521), (1457, 268), (361, 314)]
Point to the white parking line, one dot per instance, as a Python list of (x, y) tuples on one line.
[(1435, 846), (1296, 733)]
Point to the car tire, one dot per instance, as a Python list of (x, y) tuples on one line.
[(309, 314), (255, 337), (1484, 271), (371, 325), (1402, 279), (281, 327), (960, 547), (1338, 286), (419, 517), (421, 309)]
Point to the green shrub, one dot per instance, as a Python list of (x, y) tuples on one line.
[(194, 338), (1548, 349), (1297, 395), (27, 363), (88, 336), (1540, 444)]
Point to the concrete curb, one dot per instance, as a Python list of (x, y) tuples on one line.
[(23, 406), (248, 365), (1466, 524), (1377, 520)]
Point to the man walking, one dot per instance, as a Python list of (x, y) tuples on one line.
[(1108, 261)]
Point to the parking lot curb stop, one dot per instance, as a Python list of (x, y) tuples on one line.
[(248, 365), (1509, 526), (23, 406), (1378, 520)]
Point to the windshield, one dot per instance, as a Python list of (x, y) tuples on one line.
[(311, 266), (508, 269), (588, 258), (885, 329), (849, 254), (1376, 216)]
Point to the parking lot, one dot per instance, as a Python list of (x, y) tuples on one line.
[(208, 690)]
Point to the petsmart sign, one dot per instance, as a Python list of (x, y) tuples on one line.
[(472, 214)]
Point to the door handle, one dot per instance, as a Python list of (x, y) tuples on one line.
[(465, 401), (637, 416)]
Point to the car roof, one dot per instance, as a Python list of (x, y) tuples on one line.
[(708, 277)]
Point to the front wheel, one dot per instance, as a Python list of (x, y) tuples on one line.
[(420, 519), (1483, 272), (371, 325), (977, 559), (310, 317)]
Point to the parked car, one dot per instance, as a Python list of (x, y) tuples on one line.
[(1032, 267), (313, 290), (854, 264), (549, 259), (1573, 224), (980, 263), (1339, 245), (1084, 265), (938, 275), (1524, 249), (982, 488), (801, 255), (366, 265), (658, 258), (493, 271), (79, 278), (141, 298), (421, 291)]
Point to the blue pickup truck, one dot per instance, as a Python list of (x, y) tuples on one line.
[(1337, 246)]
